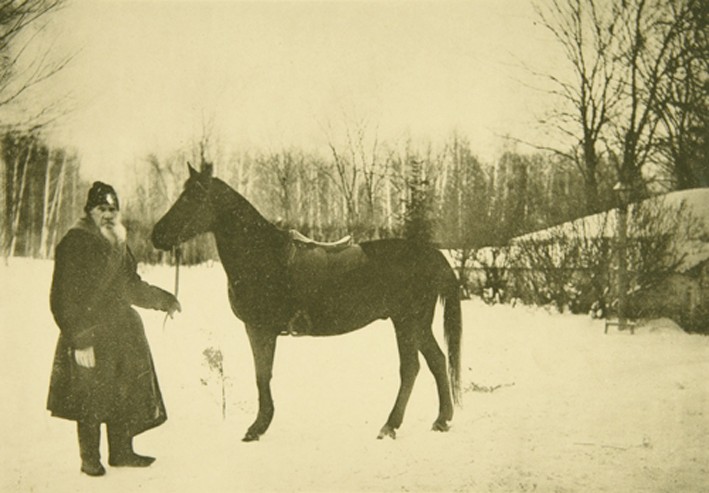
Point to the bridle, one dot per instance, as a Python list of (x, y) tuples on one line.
[(177, 251), (190, 222)]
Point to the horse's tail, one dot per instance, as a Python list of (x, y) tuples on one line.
[(452, 327)]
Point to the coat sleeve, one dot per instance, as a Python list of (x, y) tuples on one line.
[(74, 282), (146, 295)]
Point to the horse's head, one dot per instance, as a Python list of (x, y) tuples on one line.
[(191, 214)]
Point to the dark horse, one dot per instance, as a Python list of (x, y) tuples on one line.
[(282, 285)]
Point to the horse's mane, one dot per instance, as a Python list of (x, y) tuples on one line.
[(239, 212)]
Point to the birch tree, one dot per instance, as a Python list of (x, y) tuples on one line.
[(20, 173)]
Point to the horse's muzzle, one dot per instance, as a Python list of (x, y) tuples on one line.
[(160, 239)]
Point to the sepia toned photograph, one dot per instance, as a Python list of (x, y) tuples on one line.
[(354, 246)]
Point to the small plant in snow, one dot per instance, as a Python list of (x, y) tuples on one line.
[(215, 363)]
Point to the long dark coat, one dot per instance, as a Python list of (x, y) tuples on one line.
[(93, 288)]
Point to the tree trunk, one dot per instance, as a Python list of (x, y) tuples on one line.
[(4, 203), (17, 204), (54, 213), (44, 233), (387, 206)]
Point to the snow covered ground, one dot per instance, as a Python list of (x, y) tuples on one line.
[(551, 404)]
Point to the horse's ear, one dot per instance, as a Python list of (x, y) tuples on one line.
[(207, 169), (193, 172)]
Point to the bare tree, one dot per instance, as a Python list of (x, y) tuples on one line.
[(284, 168), (53, 219), (38, 181), (464, 214), (360, 169), (364, 152), (624, 60), (22, 68), (22, 71), (346, 177), (589, 98), (19, 193), (684, 106), (648, 31)]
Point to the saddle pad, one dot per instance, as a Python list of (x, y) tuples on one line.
[(310, 266)]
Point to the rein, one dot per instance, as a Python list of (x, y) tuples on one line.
[(176, 252)]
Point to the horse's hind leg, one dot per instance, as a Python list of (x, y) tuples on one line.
[(263, 346), (436, 361), (407, 341)]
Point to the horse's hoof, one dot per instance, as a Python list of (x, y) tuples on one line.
[(387, 431), (440, 426), (250, 437)]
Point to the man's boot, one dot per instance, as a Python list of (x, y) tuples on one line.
[(89, 440), (120, 449)]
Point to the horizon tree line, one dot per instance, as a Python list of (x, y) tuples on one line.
[(632, 108)]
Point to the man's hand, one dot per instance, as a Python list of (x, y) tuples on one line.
[(173, 307), (85, 357)]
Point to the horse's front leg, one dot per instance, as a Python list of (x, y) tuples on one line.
[(263, 346)]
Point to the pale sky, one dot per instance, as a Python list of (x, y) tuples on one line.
[(275, 74)]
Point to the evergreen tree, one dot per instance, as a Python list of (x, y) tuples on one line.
[(418, 223)]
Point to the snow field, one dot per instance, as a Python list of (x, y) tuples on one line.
[(550, 404)]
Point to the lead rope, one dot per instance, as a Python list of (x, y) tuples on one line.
[(176, 251), (176, 254)]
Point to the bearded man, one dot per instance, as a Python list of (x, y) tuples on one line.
[(103, 371)]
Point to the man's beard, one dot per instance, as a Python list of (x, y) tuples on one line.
[(115, 234)]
